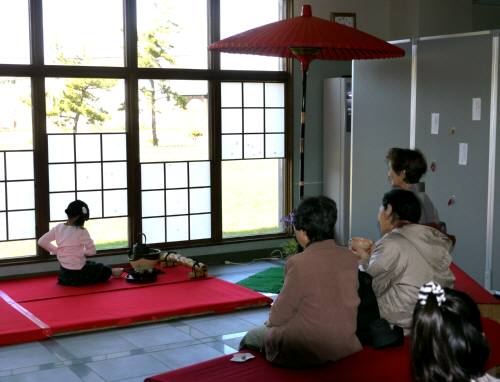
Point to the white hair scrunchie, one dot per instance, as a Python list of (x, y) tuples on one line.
[(84, 210), (435, 289)]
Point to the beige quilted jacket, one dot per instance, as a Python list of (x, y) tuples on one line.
[(401, 262)]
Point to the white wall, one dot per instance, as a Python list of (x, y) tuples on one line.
[(440, 17), (401, 19), (404, 16), (485, 17), (372, 16)]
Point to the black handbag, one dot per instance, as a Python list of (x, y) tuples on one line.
[(146, 277), (371, 328)]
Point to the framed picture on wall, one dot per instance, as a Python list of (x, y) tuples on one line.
[(348, 19)]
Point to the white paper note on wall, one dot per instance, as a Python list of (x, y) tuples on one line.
[(476, 109), (462, 154), (435, 123)]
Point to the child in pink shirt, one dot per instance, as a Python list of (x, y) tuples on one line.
[(73, 245)]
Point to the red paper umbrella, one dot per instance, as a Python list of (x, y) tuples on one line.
[(307, 38)]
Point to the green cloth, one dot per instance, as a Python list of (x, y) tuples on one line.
[(268, 281)]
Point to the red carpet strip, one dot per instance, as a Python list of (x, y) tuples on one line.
[(28, 316), (392, 364), (46, 287)]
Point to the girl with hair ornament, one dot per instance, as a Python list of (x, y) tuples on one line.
[(447, 340)]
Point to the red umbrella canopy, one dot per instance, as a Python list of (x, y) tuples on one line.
[(307, 38)]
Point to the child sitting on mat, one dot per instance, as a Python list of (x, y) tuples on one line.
[(447, 340), (73, 244), (313, 319)]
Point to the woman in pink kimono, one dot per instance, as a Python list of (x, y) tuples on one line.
[(313, 319)]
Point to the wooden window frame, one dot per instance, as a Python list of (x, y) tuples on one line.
[(131, 74)]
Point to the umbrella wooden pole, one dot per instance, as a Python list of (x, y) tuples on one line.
[(307, 38), (302, 133)]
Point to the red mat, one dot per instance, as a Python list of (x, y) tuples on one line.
[(465, 283), (391, 364), (16, 328), (115, 305), (46, 287)]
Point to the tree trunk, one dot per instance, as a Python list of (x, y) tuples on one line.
[(75, 124), (153, 113)]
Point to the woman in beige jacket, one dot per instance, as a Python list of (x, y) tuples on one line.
[(407, 256), (313, 319)]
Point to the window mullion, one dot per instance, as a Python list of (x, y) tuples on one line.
[(40, 153), (213, 24), (215, 158), (132, 120)]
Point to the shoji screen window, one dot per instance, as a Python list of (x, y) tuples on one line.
[(253, 137), (237, 16), (174, 155), (87, 154), (17, 198), (86, 32)]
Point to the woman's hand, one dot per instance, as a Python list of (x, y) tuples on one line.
[(362, 248), (363, 255)]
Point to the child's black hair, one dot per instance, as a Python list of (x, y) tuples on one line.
[(447, 341), (80, 209)]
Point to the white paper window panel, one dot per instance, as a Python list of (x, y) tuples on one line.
[(230, 94), (61, 177), (253, 120), (253, 94), (2, 196), (114, 147), (254, 146), (88, 147), (275, 120), (115, 203), (176, 175), (20, 195), (231, 121), (2, 172), (177, 202), (3, 226), (114, 175), (275, 95), (19, 165), (93, 200), (199, 174), (88, 176), (61, 148), (199, 200), (177, 228), (152, 176), (21, 225), (153, 203), (58, 203), (275, 145), (200, 226), (232, 146), (154, 228), (232, 61)]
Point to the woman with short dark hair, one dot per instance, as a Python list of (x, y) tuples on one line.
[(406, 168), (447, 341), (313, 319), (407, 255)]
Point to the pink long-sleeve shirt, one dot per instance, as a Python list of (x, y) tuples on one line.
[(73, 244)]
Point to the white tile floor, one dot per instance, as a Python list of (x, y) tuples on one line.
[(132, 354)]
